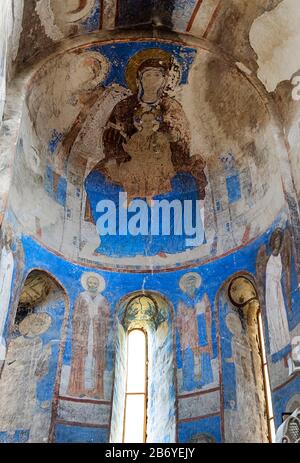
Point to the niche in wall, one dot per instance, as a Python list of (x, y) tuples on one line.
[(151, 313), (29, 373)]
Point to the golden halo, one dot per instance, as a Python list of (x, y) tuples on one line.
[(187, 276), (87, 275), (35, 324), (139, 58)]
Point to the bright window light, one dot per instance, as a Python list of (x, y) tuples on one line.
[(136, 388)]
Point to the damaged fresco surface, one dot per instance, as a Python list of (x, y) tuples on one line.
[(134, 95), (170, 118), (77, 406)]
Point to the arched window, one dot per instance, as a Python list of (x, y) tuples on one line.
[(135, 419), (144, 405)]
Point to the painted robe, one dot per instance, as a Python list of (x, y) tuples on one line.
[(148, 154), (90, 331), (6, 275), (187, 184), (174, 124), (194, 327), (276, 312)]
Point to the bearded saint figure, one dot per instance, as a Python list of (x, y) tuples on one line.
[(90, 323)]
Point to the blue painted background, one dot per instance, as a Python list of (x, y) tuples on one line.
[(184, 186), (167, 283)]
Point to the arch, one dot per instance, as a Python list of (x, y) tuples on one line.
[(33, 357), (21, 285), (157, 321), (242, 354)]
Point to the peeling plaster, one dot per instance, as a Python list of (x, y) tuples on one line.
[(275, 37), (46, 15)]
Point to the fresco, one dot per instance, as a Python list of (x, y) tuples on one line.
[(194, 324), (126, 122), (68, 18), (29, 373), (277, 278), (6, 277), (147, 132), (276, 311), (46, 22), (180, 15), (206, 430), (89, 337), (200, 367), (104, 109)]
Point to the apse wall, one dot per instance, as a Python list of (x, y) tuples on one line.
[(202, 407), (232, 161), (239, 166)]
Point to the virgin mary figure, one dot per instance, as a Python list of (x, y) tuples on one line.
[(148, 76)]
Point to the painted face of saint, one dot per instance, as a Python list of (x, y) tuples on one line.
[(93, 285), (190, 286), (83, 73), (153, 80)]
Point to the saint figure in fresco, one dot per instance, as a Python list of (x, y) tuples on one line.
[(90, 322), (6, 275), (278, 281), (147, 151), (147, 77), (27, 362), (275, 305), (62, 18), (194, 322)]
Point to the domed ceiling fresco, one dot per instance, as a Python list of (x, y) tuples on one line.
[(92, 112), (47, 22)]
